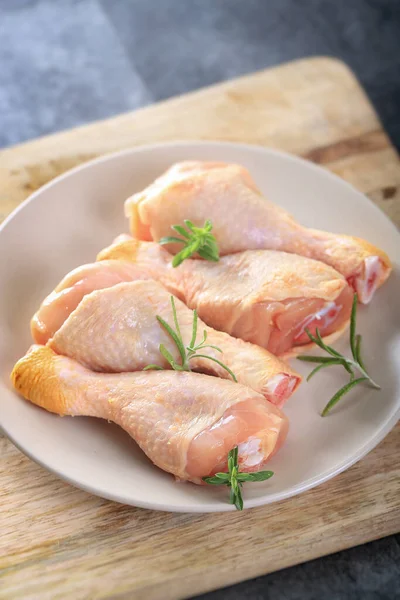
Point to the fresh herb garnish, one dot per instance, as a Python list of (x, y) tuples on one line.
[(186, 352), (234, 479), (195, 239), (350, 364)]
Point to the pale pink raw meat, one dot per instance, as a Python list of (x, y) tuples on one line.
[(116, 330), (69, 292), (169, 414), (265, 297), (243, 219)]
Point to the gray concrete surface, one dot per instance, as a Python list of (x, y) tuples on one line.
[(67, 62)]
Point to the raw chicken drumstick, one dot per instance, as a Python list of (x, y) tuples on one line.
[(58, 305), (116, 330), (186, 423), (245, 220), (262, 296)]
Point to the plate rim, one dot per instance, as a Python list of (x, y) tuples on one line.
[(181, 143), (308, 484)]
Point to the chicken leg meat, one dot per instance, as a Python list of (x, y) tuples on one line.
[(265, 297), (243, 219), (115, 329), (186, 423)]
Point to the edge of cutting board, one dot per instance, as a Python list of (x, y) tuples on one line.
[(81, 546)]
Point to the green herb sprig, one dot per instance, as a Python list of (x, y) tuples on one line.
[(195, 239), (234, 479), (349, 364), (186, 352)]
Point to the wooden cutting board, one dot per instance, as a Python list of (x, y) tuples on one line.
[(59, 542)]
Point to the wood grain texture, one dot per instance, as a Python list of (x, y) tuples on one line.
[(57, 541)]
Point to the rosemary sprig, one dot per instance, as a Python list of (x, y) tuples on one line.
[(186, 352), (234, 479), (335, 358), (195, 239)]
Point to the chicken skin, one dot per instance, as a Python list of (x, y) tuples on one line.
[(265, 297), (115, 329), (243, 219), (186, 423)]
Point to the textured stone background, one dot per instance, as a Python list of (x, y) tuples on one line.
[(66, 62)]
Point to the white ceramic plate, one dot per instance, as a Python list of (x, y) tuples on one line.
[(68, 221)]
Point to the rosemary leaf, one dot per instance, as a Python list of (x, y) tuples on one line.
[(169, 239), (257, 476), (217, 479), (340, 393), (234, 478), (168, 357), (358, 351), (198, 240), (238, 499), (333, 361), (192, 227), (177, 339), (182, 231), (351, 365), (208, 254), (178, 331), (221, 364), (316, 359), (194, 332), (201, 347), (324, 346), (186, 354)]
